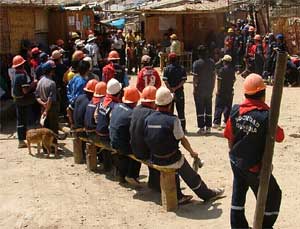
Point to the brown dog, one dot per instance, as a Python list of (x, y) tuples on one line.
[(44, 136)]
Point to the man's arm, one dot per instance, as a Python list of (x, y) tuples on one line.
[(186, 144)]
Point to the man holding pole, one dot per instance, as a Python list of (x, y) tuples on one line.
[(246, 131)]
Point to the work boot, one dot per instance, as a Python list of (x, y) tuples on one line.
[(22, 144), (201, 131), (218, 194), (208, 130)]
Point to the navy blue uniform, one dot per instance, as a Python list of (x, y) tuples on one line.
[(164, 150), (174, 74), (224, 97), (246, 130), (138, 144), (120, 140), (23, 103), (80, 104), (89, 118), (204, 81)]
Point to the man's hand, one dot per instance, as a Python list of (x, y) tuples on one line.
[(194, 154)]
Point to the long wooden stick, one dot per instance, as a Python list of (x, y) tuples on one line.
[(270, 140)]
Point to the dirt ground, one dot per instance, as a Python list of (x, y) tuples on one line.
[(56, 193)]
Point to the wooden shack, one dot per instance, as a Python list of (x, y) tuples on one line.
[(287, 22), (64, 21), (193, 23), (22, 22)]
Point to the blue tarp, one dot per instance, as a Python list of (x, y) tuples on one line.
[(120, 23)]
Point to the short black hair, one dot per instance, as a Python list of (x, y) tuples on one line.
[(257, 95), (83, 67)]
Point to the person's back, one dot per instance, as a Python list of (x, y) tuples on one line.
[(160, 139), (119, 127), (45, 88), (137, 141), (174, 74), (227, 77), (204, 69), (80, 105)]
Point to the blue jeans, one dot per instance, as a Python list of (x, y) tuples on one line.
[(241, 182)]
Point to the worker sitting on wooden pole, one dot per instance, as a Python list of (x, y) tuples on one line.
[(246, 131)]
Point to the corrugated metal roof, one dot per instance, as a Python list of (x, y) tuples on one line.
[(206, 6)]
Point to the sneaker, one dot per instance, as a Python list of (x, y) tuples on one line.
[(216, 126), (208, 130), (218, 194), (223, 125), (133, 182), (185, 199), (22, 144), (201, 131)]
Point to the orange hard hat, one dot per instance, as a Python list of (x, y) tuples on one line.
[(35, 50), (113, 55), (131, 95), (100, 89), (90, 86), (251, 29), (148, 94), (78, 55), (18, 61), (253, 84), (257, 37)]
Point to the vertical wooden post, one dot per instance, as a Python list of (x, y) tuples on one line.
[(77, 151), (271, 135), (91, 157), (168, 191)]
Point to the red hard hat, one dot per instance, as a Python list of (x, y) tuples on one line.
[(253, 84), (18, 61), (100, 89), (113, 55), (257, 37), (90, 86), (172, 55), (131, 95), (35, 50), (148, 94), (78, 55)]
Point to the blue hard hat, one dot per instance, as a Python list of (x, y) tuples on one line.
[(279, 36), (48, 66), (43, 56)]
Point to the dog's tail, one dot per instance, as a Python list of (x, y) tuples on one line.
[(60, 136)]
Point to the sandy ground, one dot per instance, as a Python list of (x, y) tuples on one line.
[(56, 193)]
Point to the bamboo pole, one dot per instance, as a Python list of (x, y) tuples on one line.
[(270, 140)]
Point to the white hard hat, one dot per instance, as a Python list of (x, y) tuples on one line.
[(113, 87), (89, 59), (227, 58), (146, 59), (163, 96)]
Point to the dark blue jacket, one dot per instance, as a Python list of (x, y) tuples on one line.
[(80, 104), (104, 118), (160, 139), (137, 125), (89, 120), (119, 128), (249, 131)]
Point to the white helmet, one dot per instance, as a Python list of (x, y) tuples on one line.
[(163, 96), (113, 87), (89, 59)]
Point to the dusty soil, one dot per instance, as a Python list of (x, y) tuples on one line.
[(56, 193)]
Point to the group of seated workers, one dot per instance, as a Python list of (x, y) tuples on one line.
[(111, 116)]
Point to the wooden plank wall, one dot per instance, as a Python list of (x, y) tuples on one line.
[(4, 31), (57, 27)]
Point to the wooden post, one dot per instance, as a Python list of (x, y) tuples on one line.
[(77, 151), (271, 135), (91, 157), (168, 191)]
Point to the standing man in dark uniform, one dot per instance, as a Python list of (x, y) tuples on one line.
[(23, 93), (224, 96), (203, 71), (174, 78), (246, 131)]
